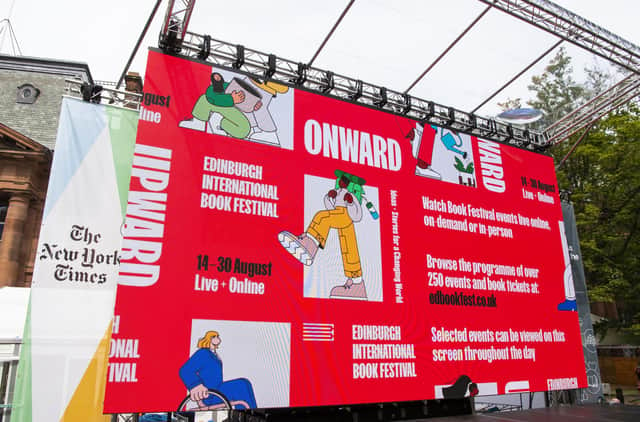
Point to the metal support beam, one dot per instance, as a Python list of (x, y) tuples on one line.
[(543, 14), (584, 116), (106, 94), (446, 50), (289, 72), (573, 148), (137, 46), (585, 34), (575, 29), (335, 25), (533, 63), (174, 26)]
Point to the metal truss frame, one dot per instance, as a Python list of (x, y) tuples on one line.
[(575, 29), (300, 75), (104, 95), (584, 116), (570, 27), (174, 26), (174, 38)]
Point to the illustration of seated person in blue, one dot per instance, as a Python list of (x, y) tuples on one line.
[(203, 372)]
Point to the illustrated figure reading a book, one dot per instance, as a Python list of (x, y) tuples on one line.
[(263, 126), (226, 104), (343, 209), (203, 372)]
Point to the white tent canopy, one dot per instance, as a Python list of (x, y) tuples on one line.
[(14, 302)]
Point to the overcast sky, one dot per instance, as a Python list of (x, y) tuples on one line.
[(384, 42)]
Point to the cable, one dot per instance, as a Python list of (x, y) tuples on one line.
[(467, 29), (135, 49), (573, 148), (344, 12), (13, 40), (11, 9), (518, 75)]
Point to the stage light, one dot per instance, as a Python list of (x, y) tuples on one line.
[(382, 98), (407, 103), (85, 89), (358, 91), (271, 69), (526, 136), (239, 57), (451, 116), (329, 83), (565, 195), (302, 74), (509, 133), (205, 47), (169, 43), (91, 93), (428, 113), (473, 122)]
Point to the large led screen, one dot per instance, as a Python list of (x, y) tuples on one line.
[(284, 248)]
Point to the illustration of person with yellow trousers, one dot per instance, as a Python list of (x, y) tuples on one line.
[(343, 208)]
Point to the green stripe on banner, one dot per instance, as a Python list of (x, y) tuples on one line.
[(21, 410), (123, 124)]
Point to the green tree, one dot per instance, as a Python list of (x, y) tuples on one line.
[(511, 104), (604, 178), (556, 92), (598, 80)]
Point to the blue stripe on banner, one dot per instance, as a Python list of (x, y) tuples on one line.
[(79, 127)]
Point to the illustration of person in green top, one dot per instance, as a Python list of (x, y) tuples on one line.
[(221, 109)]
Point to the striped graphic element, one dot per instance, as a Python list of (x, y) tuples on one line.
[(312, 331), (516, 387)]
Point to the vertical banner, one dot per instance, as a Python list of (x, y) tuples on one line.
[(64, 365), (283, 248), (593, 392)]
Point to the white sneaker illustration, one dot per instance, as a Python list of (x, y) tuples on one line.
[(428, 172), (193, 124)]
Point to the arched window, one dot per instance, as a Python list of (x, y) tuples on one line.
[(27, 94), (4, 206)]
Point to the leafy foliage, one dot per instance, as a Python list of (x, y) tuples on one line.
[(462, 168), (604, 178), (603, 175), (556, 93)]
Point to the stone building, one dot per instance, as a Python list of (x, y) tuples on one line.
[(31, 92)]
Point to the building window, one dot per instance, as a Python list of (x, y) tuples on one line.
[(27, 94), (4, 206)]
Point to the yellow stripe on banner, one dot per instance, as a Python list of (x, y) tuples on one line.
[(88, 399)]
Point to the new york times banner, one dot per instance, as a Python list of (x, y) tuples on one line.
[(282, 248), (63, 366)]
